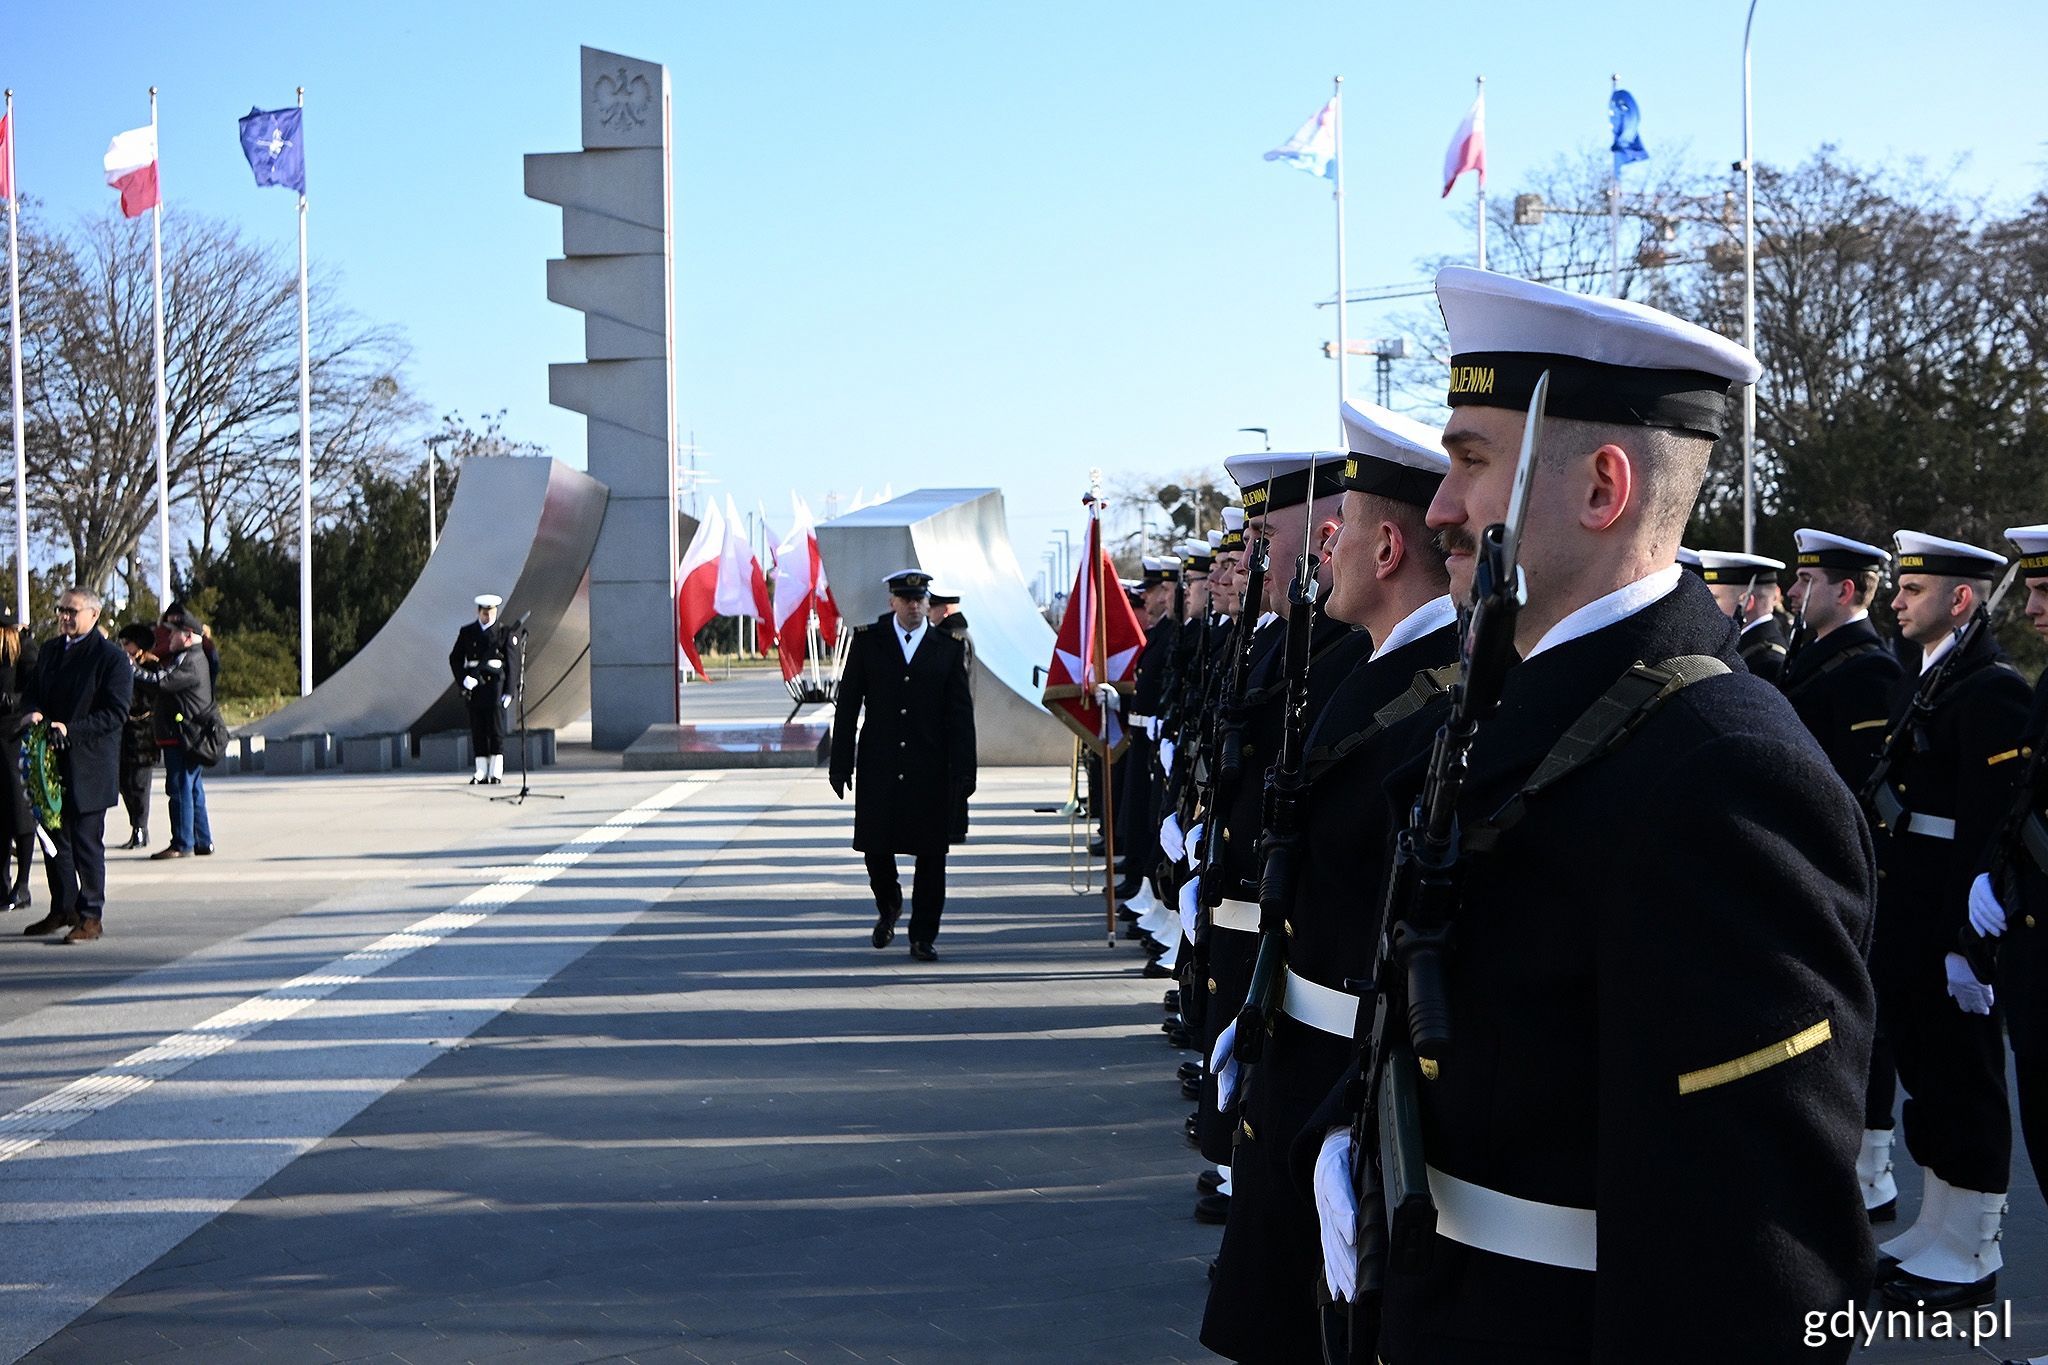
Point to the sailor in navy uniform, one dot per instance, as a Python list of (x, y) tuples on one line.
[(1746, 586), (484, 662), (1951, 782), (2009, 901), (1137, 795), (913, 766), (1388, 579), (1841, 682), (1659, 1009)]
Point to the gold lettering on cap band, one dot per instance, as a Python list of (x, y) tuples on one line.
[(1911, 561), (1471, 379), (2028, 563), (1762, 1059), (1809, 559), (1351, 469)]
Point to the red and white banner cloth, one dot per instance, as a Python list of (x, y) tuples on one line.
[(800, 588), (1467, 151), (720, 576), (131, 169), (1098, 644)]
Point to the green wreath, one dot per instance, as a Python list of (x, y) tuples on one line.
[(39, 776)]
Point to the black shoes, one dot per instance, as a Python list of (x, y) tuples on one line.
[(1190, 1071), (1194, 1137), (49, 924), (885, 923), (1209, 1181), (922, 952), (1173, 1001), (1212, 1208), (22, 899), (206, 850), (137, 838), (1910, 1291), (1191, 1091), (1157, 972), (1887, 1212)]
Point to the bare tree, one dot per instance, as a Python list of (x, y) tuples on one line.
[(231, 371)]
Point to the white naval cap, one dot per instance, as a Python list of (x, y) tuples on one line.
[(1826, 550), (1391, 455), (1150, 564), (1215, 539), (489, 599), (1610, 360), (2032, 542), (1233, 518), (1272, 479), (1731, 566), (1922, 553), (909, 584), (1690, 559)]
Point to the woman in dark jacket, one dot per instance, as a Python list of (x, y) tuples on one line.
[(17, 821), (138, 736)]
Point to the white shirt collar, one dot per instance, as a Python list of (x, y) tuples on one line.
[(1618, 605), (910, 640), (1754, 624), (1430, 616), (1936, 654)]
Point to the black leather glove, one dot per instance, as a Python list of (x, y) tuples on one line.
[(839, 785)]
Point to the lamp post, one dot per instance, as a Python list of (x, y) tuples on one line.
[(1066, 568), (1264, 435), (1748, 299)]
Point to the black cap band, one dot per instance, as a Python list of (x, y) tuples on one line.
[(1291, 490), (1592, 391), (1847, 561), (1739, 573), (1385, 478), (2031, 566), (1232, 540), (1950, 566)]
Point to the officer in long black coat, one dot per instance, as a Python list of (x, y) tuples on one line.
[(1388, 579), (913, 766), (1841, 684), (485, 663), (1275, 487), (1641, 1140), (1951, 780)]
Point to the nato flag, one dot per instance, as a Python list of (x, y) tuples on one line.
[(1627, 120), (273, 141)]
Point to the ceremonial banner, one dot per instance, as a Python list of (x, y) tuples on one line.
[(1098, 644)]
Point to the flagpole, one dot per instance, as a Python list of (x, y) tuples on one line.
[(163, 480), (1098, 648), (306, 447), (1613, 204), (1748, 300), (14, 367), (1343, 373), (1479, 181)]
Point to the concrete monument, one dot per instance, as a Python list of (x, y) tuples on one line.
[(618, 269)]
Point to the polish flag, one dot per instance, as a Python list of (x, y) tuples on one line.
[(1467, 151), (697, 584), (6, 156), (131, 169), (796, 587), (742, 587)]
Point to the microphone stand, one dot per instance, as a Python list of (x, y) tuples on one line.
[(518, 641)]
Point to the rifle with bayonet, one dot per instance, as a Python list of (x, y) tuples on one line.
[(1228, 762), (1396, 1216), (1877, 795), (1286, 799)]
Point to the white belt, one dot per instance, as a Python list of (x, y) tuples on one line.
[(1319, 1007), (1135, 720), (1242, 916), (1933, 826), (1548, 1234)]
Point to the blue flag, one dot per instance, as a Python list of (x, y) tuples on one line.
[(1628, 138), (273, 141)]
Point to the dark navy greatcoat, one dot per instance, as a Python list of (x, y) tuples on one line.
[(1841, 685), (88, 687), (913, 766)]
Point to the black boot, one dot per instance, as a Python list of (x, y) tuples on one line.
[(24, 855)]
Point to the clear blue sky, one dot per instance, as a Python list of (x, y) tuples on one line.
[(935, 244)]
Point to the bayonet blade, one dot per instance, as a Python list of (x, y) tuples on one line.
[(1525, 473)]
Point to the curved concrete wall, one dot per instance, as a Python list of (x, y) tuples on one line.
[(519, 526), (961, 537)]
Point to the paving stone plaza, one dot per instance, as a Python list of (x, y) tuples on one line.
[(610, 1078)]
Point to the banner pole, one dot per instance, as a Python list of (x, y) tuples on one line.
[(1099, 648), (163, 481), (306, 452), (14, 366), (1479, 182)]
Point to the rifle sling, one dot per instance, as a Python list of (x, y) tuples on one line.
[(1604, 727), (1427, 686), (1855, 651)]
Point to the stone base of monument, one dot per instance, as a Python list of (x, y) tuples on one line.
[(729, 744)]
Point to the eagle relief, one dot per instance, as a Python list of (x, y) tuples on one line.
[(623, 99)]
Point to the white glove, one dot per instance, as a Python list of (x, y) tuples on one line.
[(1105, 696), (496, 664), (1987, 916), (468, 683), (1165, 754), (1190, 906), (1170, 841), (1223, 1066), (1194, 843), (1152, 727), (1971, 995), (1337, 1211)]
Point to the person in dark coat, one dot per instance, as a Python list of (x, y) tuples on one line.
[(1951, 780), (1841, 684), (1275, 489), (184, 688), (485, 662), (138, 737), (1746, 586), (1388, 579), (17, 819), (1660, 1015), (1137, 821), (81, 685), (912, 767)]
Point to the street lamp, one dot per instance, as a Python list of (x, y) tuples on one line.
[(1748, 299), (1264, 435), (1066, 555)]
